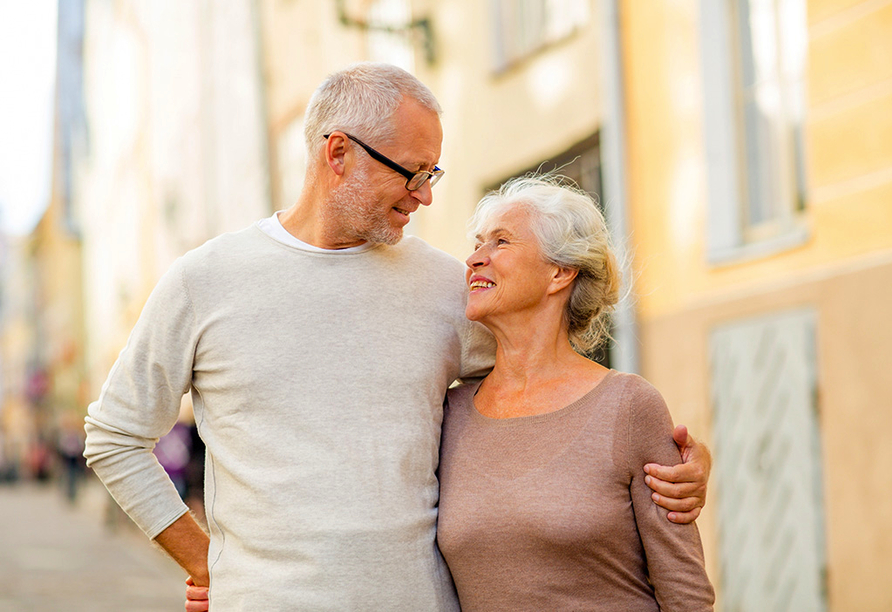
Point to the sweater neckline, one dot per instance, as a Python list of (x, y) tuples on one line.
[(351, 252), (536, 418)]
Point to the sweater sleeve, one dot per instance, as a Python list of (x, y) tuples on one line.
[(140, 402), (674, 552), (478, 352)]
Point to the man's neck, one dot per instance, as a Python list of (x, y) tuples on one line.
[(305, 222)]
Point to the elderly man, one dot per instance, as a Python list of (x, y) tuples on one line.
[(317, 345)]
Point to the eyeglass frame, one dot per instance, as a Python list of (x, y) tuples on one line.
[(432, 176)]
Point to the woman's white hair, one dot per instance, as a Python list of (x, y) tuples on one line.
[(361, 100), (571, 233)]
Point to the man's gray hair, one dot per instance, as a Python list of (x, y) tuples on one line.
[(571, 233), (361, 100)]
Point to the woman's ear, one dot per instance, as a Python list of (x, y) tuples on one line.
[(562, 278)]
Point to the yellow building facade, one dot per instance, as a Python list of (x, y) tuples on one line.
[(832, 277)]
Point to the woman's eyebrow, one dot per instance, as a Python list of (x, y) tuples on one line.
[(498, 231)]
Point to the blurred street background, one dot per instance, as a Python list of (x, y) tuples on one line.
[(741, 151), (56, 555)]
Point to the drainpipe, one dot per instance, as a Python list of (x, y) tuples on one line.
[(624, 355)]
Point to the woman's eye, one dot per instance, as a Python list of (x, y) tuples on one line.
[(501, 241)]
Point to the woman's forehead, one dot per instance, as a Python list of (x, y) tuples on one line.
[(506, 216)]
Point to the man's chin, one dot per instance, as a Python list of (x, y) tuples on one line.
[(390, 237), (392, 240)]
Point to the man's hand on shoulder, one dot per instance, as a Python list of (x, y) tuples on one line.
[(681, 489)]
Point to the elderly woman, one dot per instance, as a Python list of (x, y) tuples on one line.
[(543, 504)]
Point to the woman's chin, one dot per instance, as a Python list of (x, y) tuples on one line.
[(472, 314)]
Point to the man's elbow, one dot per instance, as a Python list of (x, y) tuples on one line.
[(104, 442)]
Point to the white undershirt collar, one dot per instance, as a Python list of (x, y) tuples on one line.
[(272, 227)]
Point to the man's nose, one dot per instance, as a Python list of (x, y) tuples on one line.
[(424, 194)]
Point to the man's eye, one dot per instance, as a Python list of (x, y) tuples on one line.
[(501, 241)]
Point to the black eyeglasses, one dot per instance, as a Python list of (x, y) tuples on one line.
[(414, 180)]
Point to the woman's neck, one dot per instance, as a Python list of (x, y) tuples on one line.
[(536, 371)]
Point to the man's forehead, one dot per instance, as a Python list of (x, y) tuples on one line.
[(418, 120), (420, 150), (417, 135)]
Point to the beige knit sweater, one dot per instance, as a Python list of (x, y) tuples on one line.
[(318, 382)]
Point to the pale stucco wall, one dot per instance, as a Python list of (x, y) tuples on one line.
[(176, 153)]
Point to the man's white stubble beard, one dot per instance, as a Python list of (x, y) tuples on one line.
[(353, 207)]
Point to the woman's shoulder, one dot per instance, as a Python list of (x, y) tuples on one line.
[(638, 398), (635, 386), (644, 407)]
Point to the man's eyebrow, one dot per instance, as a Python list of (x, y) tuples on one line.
[(419, 166)]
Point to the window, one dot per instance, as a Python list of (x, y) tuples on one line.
[(525, 26), (581, 163), (753, 55)]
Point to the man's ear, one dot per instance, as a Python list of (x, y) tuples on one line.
[(335, 152), (562, 278)]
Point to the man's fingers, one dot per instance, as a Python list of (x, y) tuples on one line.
[(196, 593), (681, 488), (197, 606), (196, 597), (683, 518), (678, 490), (684, 504), (683, 472), (680, 435)]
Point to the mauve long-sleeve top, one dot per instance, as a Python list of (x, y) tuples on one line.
[(551, 512)]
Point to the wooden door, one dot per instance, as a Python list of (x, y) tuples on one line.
[(768, 464)]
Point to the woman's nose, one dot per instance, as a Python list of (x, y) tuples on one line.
[(476, 259)]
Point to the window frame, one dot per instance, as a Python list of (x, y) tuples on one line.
[(514, 41)]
